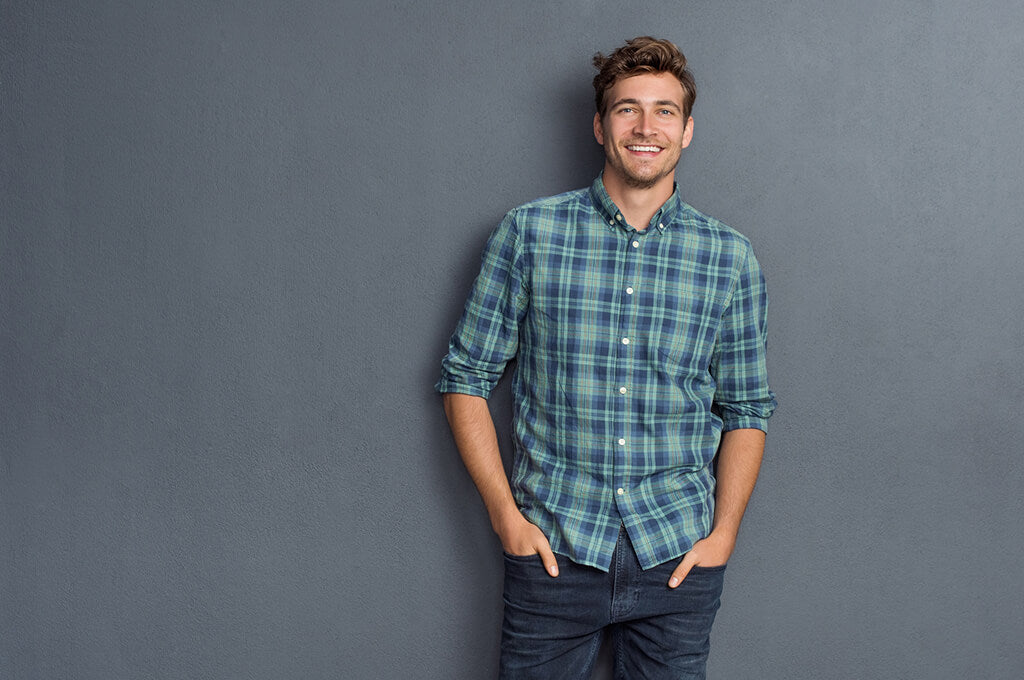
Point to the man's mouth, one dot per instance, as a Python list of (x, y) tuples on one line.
[(643, 148)]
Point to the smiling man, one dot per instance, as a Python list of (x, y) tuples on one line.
[(640, 395)]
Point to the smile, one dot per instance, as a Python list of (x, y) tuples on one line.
[(644, 149)]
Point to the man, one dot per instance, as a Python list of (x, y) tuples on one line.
[(638, 325)]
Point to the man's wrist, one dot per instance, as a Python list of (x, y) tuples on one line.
[(505, 517), (723, 536)]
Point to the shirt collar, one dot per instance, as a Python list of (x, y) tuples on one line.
[(613, 217)]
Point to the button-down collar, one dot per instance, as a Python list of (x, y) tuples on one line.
[(613, 216)]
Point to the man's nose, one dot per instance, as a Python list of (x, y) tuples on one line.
[(644, 124)]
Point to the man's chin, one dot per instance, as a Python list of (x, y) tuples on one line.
[(637, 183), (634, 181)]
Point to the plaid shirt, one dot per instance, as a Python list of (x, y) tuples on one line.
[(635, 350)]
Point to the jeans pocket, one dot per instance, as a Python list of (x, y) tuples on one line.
[(521, 558), (696, 569)]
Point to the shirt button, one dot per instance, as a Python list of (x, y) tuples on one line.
[(660, 225), (629, 291), (622, 390), (611, 223), (625, 341), (636, 244), (620, 491), (622, 442), (618, 217)]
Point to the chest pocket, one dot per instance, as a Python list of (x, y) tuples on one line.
[(684, 326)]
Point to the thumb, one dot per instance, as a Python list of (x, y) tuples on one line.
[(682, 570), (548, 558)]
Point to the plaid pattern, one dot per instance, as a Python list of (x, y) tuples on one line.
[(635, 351)]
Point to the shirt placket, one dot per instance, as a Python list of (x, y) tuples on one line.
[(631, 254)]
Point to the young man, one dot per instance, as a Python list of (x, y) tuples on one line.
[(638, 325)]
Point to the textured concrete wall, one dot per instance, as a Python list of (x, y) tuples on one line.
[(234, 238)]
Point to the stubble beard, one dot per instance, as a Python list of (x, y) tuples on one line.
[(637, 181)]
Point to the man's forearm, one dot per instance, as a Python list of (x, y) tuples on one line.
[(473, 429), (739, 461), (477, 442)]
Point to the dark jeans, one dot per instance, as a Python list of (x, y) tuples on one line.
[(553, 626)]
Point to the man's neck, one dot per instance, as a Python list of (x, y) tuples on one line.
[(638, 206)]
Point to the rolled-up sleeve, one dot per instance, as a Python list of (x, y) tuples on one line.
[(742, 396), (487, 335)]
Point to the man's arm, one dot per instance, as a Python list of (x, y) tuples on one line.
[(739, 460), (473, 430)]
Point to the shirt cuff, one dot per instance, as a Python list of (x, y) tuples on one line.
[(444, 386), (737, 422)]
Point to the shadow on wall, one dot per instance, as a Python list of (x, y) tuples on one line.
[(578, 156)]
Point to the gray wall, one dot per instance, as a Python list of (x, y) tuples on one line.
[(235, 236)]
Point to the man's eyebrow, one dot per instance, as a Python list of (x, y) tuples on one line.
[(636, 102)]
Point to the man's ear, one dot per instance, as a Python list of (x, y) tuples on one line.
[(688, 132), (598, 129)]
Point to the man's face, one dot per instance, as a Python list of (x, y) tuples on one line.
[(643, 130)]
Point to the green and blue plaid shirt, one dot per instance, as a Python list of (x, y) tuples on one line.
[(635, 350)]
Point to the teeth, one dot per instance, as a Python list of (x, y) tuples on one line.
[(644, 148)]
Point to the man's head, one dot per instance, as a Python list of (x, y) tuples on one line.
[(637, 56), (644, 97)]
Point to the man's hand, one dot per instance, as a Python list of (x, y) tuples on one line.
[(713, 551), (521, 537)]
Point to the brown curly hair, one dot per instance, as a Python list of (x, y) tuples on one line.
[(642, 55)]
